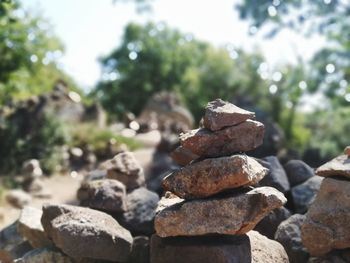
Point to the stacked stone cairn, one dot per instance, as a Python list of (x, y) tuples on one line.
[(326, 229), (210, 206)]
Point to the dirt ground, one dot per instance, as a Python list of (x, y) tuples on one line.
[(63, 189)]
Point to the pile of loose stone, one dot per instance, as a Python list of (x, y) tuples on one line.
[(111, 225), (326, 228), (209, 208)]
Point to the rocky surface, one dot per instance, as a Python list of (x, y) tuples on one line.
[(140, 252), (269, 224), (298, 172), (339, 166), (327, 221), (229, 214), (276, 176), (126, 169), (106, 195), (85, 233), (183, 156), (243, 137), (220, 114), (304, 194), (289, 235), (140, 214), (211, 176), (44, 255), (30, 228), (249, 248), (335, 256)]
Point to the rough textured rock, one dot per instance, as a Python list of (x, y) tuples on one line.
[(220, 114), (226, 214), (126, 169), (44, 255), (140, 252), (327, 221), (339, 166), (106, 194), (86, 233), (18, 198), (243, 137), (289, 235), (211, 176), (304, 194), (29, 226), (250, 248), (335, 256), (268, 225), (276, 177), (298, 172), (12, 244), (183, 156), (139, 217)]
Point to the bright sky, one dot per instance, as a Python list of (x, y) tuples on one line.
[(92, 28)]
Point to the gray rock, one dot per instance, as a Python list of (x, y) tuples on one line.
[(29, 226), (106, 195), (140, 214), (12, 244), (268, 225), (229, 214), (18, 198), (304, 194), (289, 235), (220, 114), (276, 177), (126, 169), (85, 233), (298, 172), (249, 248)]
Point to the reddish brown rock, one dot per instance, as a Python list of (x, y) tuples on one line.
[(249, 248), (211, 176), (220, 114), (339, 166), (243, 137), (183, 156), (230, 214), (326, 225)]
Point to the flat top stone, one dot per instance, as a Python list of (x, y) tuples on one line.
[(220, 114), (230, 213), (30, 217), (243, 137), (211, 176), (339, 166)]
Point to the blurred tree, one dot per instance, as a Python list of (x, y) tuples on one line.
[(28, 53), (154, 58), (329, 70)]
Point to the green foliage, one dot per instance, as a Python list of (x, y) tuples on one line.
[(17, 147), (155, 58), (29, 53), (88, 134)]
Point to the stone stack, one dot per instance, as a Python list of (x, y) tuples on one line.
[(326, 227), (212, 195)]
